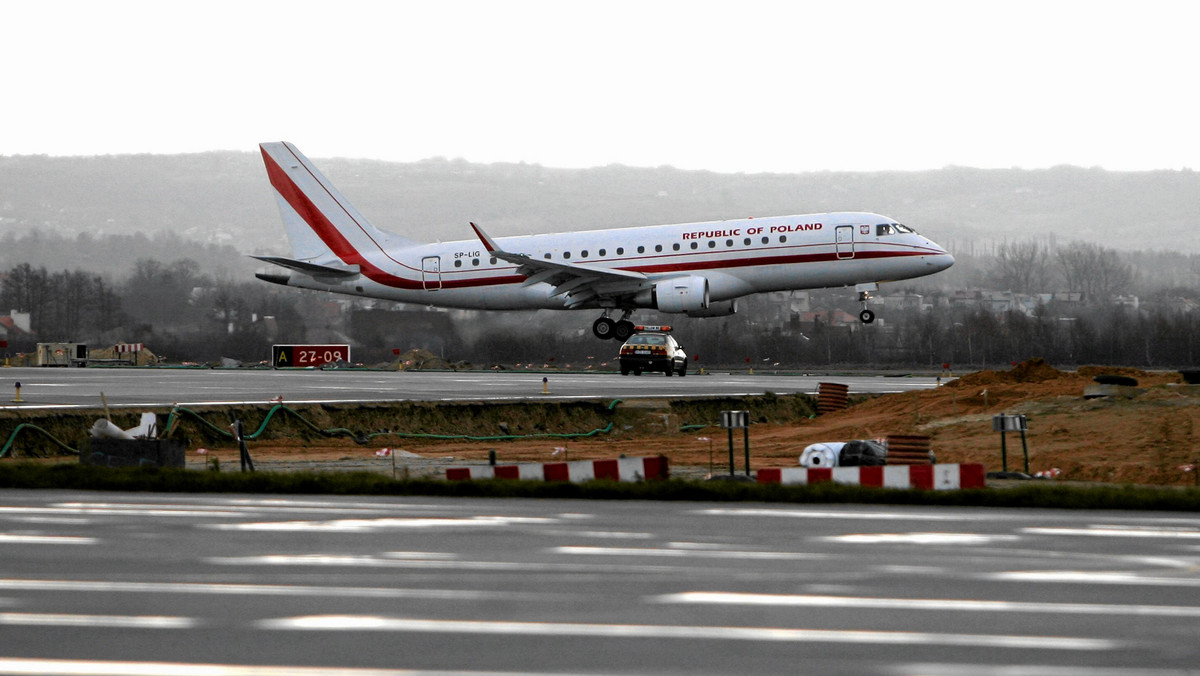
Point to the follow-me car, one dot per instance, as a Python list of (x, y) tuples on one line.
[(653, 348)]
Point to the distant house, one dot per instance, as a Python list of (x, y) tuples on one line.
[(15, 325)]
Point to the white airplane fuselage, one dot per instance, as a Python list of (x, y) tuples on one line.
[(695, 268), (737, 257)]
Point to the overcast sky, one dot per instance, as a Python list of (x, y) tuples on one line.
[(726, 86)]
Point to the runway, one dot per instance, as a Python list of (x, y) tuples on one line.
[(180, 584), (50, 388)]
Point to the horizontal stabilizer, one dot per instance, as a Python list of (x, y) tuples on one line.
[(313, 269)]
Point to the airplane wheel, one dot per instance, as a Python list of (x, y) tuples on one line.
[(603, 328), (866, 316), (622, 330)]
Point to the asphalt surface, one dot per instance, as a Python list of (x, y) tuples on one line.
[(127, 387), (167, 584)]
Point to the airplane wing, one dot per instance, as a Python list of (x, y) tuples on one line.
[(578, 282)]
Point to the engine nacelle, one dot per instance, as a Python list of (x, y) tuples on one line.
[(722, 309), (677, 294)]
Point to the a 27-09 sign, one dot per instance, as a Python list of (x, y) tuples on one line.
[(308, 355)]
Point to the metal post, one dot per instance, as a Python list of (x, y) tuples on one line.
[(1025, 449), (746, 443), (731, 468), (1003, 450)]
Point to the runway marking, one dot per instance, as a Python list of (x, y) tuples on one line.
[(27, 539), (860, 516), (104, 621), (920, 538), (221, 589), (368, 561), (373, 525), (1121, 532), (689, 632), (18, 666), (1025, 670), (1090, 577), (686, 553), (937, 605)]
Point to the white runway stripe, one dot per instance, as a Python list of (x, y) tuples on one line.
[(704, 633), (16, 666), (101, 621), (24, 539), (939, 605), (257, 590)]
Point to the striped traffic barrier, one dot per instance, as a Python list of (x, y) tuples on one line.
[(620, 469), (945, 477)]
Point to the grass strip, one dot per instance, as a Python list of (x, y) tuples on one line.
[(150, 479)]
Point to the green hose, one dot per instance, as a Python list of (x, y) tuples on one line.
[(13, 437), (179, 411)]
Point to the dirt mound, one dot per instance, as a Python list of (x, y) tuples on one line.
[(1034, 370), (424, 359)]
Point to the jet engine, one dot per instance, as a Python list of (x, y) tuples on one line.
[(721, 309), (677, 294)]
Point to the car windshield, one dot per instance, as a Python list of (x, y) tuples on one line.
[(644, 339)]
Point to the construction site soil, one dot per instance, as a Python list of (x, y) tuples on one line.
[(1143, 435)]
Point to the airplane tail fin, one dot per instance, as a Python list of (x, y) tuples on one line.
[(322, 226)]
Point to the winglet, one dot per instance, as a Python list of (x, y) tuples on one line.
[(488, 243)]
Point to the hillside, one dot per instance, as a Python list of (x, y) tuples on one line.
[(222, 199)]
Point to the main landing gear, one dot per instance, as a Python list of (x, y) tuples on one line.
[(605, 328), (864, 294)]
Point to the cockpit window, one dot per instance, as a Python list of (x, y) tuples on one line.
[(891, 229)]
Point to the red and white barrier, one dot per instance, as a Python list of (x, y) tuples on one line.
[(621, 469), (948, 477)]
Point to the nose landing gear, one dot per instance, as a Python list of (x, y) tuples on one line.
[(864, 294)]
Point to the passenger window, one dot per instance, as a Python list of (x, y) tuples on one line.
[(766, 240), (695, 245), (602, 252), (641, 249), (782, 239), (712, 244), (658, 248), (620, 251), (546, 256), (475, 262), (566, 254), (458, 263), (583, 254), (746, 242), (675, 246), (493, 261), (729, 242)]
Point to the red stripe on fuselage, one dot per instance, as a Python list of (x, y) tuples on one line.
[(345, 251), (325, 229)]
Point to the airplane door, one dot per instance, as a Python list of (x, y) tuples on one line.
[(845, 241), (431, 273)]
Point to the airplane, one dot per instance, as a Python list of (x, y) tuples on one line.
[(697, 269)]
